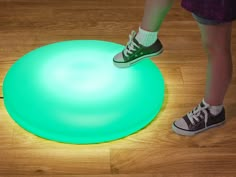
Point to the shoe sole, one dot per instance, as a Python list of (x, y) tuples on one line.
[(191, 133), (125, 65)]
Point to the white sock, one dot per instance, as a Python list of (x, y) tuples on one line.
[(215, 110), (146, 38)]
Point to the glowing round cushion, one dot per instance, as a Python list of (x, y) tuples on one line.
[(72, 92)]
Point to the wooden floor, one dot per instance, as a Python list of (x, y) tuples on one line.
[(152, 152)]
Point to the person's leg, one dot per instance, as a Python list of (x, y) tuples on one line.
[(154, 13), (216, 40), (145, 43)]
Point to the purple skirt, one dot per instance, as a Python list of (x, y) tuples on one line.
[(217, 10)]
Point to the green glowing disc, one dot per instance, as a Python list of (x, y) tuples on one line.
[(72, 92)]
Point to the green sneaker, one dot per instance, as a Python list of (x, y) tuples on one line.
[(134, 52)]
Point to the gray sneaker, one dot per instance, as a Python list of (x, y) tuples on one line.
[(134, 52), (198, 120)]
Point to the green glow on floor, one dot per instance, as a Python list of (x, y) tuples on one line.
[(71, 92)]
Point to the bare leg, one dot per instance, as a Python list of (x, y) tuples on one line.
[(217, 43), (154, 13)]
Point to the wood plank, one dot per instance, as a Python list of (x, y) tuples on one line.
[(197, 161), (197, 74), (96, 28), (59, 4), (172, 75), (126, 175), (1, 94), (103, 175), (54, 161), (6, 129)]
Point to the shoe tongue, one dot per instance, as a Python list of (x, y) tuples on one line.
[(136, 41), (202, 104)]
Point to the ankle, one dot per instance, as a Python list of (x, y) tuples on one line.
[(215, 109), (212, 102), (146, 38)]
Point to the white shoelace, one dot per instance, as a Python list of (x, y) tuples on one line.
[(196, 114), (130, 45)]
